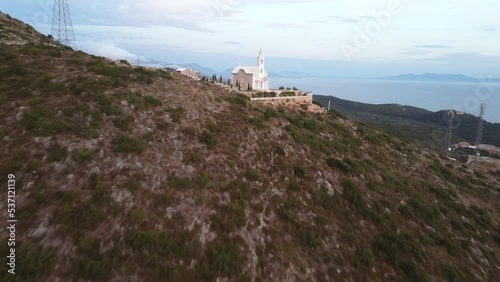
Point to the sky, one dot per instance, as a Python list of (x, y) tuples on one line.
[(345, 38)]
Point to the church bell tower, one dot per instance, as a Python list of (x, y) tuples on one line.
[(260, 64)]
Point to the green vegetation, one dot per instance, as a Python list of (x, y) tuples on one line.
[(228, 218), (309, 237), (414, 125), (93, 264), (307, 131), (222, 258), (288, 194), (123, 121), (264, 94), (160, 244), (299, 171), (401, 251), (39, 121), (252, 175), (202, 181), (179, 182), (139, 101), (338, 164), (124, 62), (288, 94), (452, 274), (427, 212), (280, 151), (270, 113), (208, 139), (125, 144), (325, 198), (257, 122), (355, 197), (31, 262), (237, 100), (176, 114), (57, 153)]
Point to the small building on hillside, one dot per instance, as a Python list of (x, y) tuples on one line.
[(188, 72), (254, 77)]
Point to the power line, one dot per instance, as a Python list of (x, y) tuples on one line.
[(62, 27)]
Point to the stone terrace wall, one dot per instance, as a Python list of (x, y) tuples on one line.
[(307, 99)]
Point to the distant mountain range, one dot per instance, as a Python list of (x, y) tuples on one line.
[(207, 71), (439, 77), (228, 72)]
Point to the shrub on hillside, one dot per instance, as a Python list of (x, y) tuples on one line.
[(252, 175), (238, 100), (222, 258), (125, 144), (299, 171), (336, 163), (81, 155), (208, 139), (57, 153), (123, 121), (32, 260), (176, 114)]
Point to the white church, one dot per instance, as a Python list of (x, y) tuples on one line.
[(253, 76)]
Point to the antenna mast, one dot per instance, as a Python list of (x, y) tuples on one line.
[(479, 135), (62, 27)]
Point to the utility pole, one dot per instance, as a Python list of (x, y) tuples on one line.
[(329, 105), (62, 27), (479, 135)]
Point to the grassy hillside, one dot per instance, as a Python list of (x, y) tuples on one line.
[(130, 174), (414, 125)]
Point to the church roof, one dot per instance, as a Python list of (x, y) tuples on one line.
[(249, 70)]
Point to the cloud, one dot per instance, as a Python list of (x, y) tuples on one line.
[(270, 24), (346, 20), (191, 15), (349, 20), (433, 46), (284, 25), (232, 42), (109, 50), (489, 28), (415, 52)]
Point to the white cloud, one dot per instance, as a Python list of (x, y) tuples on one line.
[(109, 50)]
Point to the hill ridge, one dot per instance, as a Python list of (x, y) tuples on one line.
[(130, 173)]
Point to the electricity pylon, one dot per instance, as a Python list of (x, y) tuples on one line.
[(479, 135), (451, 115), (62, 27)]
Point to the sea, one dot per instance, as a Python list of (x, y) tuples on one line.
[(433, 96)]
